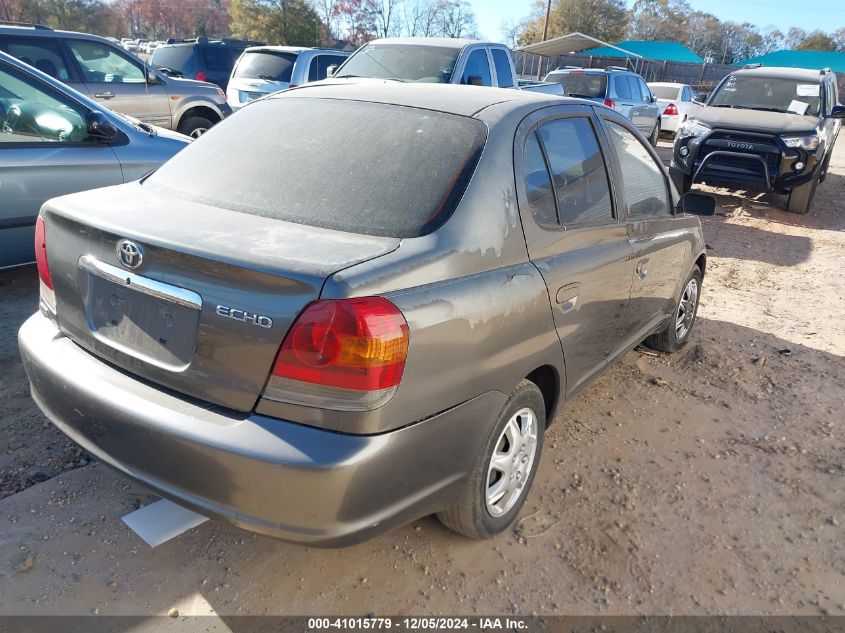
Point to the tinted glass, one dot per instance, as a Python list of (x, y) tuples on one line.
[(424, 64), (477, 66), (320, 66), (645, 93), (645, 187), (580, 177), (769, 93), (664, 92), (178, 58), (538, 185), (282, 163), (503, 68), (622, 87), (273, 66), (634, 88), (103, 64), (578, 84), (31, 112), (218, 58), (42, 53)]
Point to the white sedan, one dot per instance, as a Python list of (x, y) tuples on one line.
[(676, 101)]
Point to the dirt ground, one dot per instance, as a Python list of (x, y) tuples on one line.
[(707, 482)]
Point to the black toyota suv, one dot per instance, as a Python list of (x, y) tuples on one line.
[(769, 129), (201, 58)]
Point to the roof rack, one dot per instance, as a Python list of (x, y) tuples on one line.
[(625, 68), (32, 25), (569, 68), (757, 65)]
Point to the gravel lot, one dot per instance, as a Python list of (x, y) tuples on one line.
[(708, 482)]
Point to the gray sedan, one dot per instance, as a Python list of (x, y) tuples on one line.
[(321, 354), (54, 141)]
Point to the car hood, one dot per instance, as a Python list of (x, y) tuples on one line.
[(193, 86), (756, 120)]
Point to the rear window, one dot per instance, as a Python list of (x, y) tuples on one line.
[(664, 92), (272, 66), (218, 58), (581, 84), (179, 58), (346, 165)]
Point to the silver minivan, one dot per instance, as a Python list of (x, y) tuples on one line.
[(262, 70), (54, 141)]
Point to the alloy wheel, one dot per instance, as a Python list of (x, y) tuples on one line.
[(686, 309)]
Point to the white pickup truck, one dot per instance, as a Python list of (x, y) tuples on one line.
[(438, 60)]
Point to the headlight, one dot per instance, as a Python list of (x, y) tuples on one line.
[(809, 142), (692, 129)]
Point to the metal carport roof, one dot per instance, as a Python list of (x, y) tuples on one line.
[(572, 43)]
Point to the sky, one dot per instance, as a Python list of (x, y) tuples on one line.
[(826, 15)]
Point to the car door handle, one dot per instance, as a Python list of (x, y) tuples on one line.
[(104, 95), (642, 268), (567, 296)]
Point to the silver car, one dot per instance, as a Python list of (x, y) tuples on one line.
[(321, 354), (262, 70), (117, 80), (54, 141)]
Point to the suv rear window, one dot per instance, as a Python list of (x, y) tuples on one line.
[(291, 159), (592, 85), (270, 65), (178, 58)]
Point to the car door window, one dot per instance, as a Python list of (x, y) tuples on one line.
[(217, 59), (538, 183), (645, 93), (578, 172), (622, 87), (643, 182), (477, 66), (40, 52), (101, 63), (319, 68), (32, 112), (502, 62), (687, 94), (634, 87)]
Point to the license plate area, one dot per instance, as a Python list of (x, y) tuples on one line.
[(141, 317)]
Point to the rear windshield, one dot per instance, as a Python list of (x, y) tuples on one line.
[(664, 92), (581, 84), (272, 66), (408, 62), (351, 166), (178, 58)]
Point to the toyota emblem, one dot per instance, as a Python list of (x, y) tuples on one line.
[(130, 254)]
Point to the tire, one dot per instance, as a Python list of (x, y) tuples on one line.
[(825, 167), (655, 134), (473, 515), (801, 197), (676, 333), (194, 126), (682, 181)]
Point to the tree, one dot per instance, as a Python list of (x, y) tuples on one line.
[(603, 19), (817, 41), (660, 20), (287, 22)]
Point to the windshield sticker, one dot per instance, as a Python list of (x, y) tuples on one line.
[(808, 90), (798, 107)]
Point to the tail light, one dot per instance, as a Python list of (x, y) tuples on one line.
[(48, 295), (345, 354), (610, 103), (671, 110), (201, 75)]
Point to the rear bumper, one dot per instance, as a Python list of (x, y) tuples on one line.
[(294, 482), (669, 122)]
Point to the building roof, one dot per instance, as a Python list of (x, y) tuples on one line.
[(814, 60), (661, 51)]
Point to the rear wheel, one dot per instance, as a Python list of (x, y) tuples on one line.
[(801, 197), (503, 472), (655, 134), (194, 126), (676, 333)]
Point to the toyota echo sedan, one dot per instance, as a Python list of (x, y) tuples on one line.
[(321, 354)]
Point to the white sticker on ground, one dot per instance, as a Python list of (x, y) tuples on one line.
[(161, 521)]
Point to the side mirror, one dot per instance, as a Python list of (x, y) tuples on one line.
[(698, 203), (331, 70), (838, 112), (474, 80), (99, 127), (653, 99), (700, 98), (152, 77)]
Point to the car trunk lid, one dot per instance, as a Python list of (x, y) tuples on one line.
[(212, 298)]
